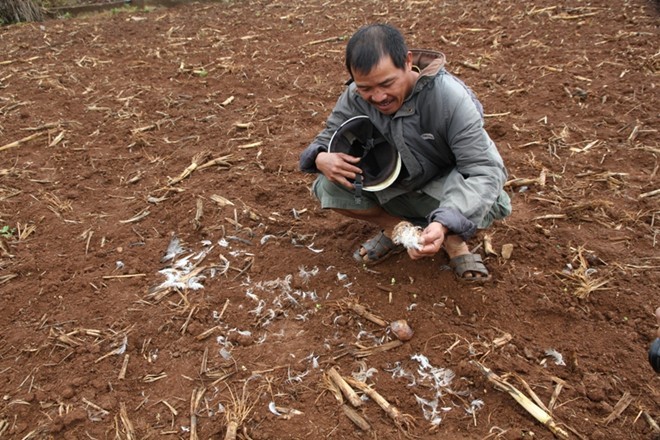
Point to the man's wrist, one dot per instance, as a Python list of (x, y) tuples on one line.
[(445, 229), (316, 159)]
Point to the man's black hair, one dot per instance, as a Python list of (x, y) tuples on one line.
[(371, 43)]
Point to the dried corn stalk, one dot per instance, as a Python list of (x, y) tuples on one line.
[(404, 421), (524, 401)]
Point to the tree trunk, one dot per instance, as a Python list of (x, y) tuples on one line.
[(13, 11)]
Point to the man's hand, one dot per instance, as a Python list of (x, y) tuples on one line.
[(432, 238), (338, 167)]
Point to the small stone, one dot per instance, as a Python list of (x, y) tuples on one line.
[(507, 250), (401, 330)]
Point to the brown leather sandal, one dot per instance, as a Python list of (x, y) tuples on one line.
[(378, 249), (470, 268)]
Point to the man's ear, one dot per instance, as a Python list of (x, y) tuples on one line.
[(409, 61)]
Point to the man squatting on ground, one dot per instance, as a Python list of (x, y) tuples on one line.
[(452, 176)]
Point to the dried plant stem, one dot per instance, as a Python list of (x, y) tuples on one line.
[(185, 325), (247, 267), (24, 231), (195, 398), (101, 411), (325, 40), (652, 423), (128, 426), (220, 161), (199, 212), (21, 141), (142, 214), (655, 192), (206, 333), (197, 160), (362, 311), (232, 430), (403, 421), (132, 275), (619, 408), (333, 388), (8, 277), (532, 394), (345, 388), (124, 367), (368, 351), (221, 201), (555, 394), (523, 400), (540, 181), (580, 275), (488, 245), (250, 145), (356, 418), (237, 412)]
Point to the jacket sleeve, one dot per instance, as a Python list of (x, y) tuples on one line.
[(343, 110), (469, 191)]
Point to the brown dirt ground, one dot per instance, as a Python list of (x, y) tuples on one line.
[(108, 110)]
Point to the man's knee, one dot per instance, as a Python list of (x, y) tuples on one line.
[(334, 196)]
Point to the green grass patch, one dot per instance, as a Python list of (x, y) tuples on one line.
[(7, 232)]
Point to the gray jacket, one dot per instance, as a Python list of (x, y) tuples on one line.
[(445, 150)]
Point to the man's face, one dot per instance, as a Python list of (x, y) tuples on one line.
[(386, 86)]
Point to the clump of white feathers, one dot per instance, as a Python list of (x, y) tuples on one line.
[(407, 235)]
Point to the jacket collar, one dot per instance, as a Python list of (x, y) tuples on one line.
[(428, 63)]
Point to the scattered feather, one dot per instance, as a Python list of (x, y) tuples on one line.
[(558, 358), (297, 377), (226, 354), (284, 413), (430, 410), (249, 293), (174, 248), (273, 409), (475, 406), (398, 371), (306, 275), (422, 360), (314, 360), (316, 251), (364, 373), (265, 238)]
